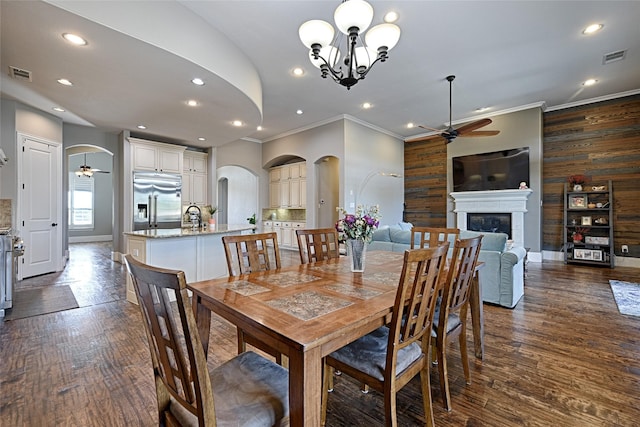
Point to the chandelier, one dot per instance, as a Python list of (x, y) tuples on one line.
[(352, 18)]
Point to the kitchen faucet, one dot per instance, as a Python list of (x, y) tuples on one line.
[(199, 214)]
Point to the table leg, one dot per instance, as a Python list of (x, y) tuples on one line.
[(477, 317), (203, 320), (305, 388)]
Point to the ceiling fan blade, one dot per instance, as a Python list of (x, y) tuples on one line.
[(424, 138), (99, 171), (428, 128), (480, 133), (470, 127)]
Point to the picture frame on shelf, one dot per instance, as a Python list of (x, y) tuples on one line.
[(586, 220), (596, 255), (582, 254), (577, 202)]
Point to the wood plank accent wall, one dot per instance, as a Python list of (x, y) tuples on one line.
[(600, 140), (425, 183)]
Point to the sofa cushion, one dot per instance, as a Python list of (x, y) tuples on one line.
[(399, 235), (490, 242), (381, 234), (405, 225)]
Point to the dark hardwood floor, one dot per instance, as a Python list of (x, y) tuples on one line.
[(564, 356)]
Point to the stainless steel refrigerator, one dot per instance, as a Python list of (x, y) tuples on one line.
[(157, 201)]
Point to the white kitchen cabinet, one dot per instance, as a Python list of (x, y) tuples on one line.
[(286, 232), (288, 186), (194, 178), (155, 156)]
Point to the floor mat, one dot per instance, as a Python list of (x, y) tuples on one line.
[(627, 296), (37, 301)]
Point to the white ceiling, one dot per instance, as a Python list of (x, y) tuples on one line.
[(142, 55)]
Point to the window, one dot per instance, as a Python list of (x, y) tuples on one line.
[(81, 195)]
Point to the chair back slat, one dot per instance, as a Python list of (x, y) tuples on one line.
[(177, 354), (430, 237), (247, 253), (317, 244), (461, 272), (416, 298)]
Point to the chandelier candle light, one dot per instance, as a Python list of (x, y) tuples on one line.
[(352, 18)]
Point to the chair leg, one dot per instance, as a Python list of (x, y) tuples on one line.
[(425, 380), (442, 370), (390, 408), (463, 353), (242, 346), (327, 382)]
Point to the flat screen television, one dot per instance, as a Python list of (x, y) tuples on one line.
[(499, 170)]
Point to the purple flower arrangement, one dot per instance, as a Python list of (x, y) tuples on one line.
[(359, 225)]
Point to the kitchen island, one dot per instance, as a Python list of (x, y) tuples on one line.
[(197, 252)]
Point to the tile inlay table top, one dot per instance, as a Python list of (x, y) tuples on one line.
[(305, 312)]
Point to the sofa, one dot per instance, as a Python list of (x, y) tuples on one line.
[(501, 278)]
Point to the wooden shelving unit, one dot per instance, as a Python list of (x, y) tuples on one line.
[(589, 213)]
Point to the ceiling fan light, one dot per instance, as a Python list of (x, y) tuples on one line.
[(79, 173), (331, 54), (316, 31), (383, 35), (353, 13)]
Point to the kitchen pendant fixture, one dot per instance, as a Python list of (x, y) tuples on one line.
[(352, 18)]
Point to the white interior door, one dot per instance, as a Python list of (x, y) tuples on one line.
[(39, 201)]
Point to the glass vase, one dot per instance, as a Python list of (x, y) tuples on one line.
[(357, 250)]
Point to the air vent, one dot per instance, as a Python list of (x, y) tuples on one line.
[(619, 55), (19, 73)]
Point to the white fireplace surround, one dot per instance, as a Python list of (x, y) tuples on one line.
[(495, 201)]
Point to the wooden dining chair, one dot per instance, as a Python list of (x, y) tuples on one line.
[(389, 357), (248, 253), (248, 390), (450, 320), (317, 244), (428, 237)]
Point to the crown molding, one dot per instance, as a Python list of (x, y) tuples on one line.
[(594, 100)]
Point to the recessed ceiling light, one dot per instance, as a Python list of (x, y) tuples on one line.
[(299, 112), (141, 127), (410, 125), (237, 123), (589, 82), (298, 72), (390, 17), (366, 105), (192, 103), (74, 39), (202, 138), (197, 81), (58, 109), (481, 109), (65, 82), (593, 28), (259, 128)]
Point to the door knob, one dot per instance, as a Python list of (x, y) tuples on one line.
[(54, 224)]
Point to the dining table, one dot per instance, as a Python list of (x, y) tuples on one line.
[(308, 311)]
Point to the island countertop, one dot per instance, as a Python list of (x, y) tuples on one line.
[(190, 232)]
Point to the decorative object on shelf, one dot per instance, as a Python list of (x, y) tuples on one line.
[(591, 205), (212, 219), (598, 188), (357, 230), (523, 186), (595, 240), (352, 18), (577, 181), (577, 202), (578, 234), (601, 221), (586, 220)]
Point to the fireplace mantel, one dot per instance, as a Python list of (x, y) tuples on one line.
[(498, 201)]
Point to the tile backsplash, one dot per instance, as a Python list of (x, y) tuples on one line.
[(5, 212)]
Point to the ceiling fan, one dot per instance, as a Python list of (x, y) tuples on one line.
[(86, 170), (449, 134)]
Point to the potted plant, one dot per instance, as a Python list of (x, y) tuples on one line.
[(212, 219)]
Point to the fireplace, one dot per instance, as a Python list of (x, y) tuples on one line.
[(489, 222), (497, 203)]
